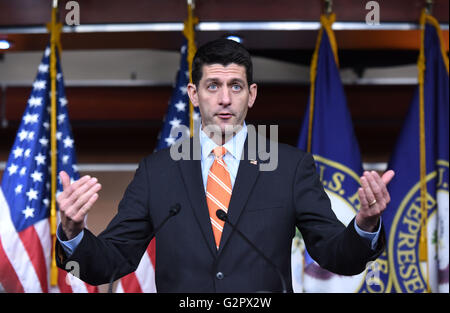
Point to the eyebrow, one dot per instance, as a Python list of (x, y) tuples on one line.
[(234, 80)]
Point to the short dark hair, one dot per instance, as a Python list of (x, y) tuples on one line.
[(221, 51)]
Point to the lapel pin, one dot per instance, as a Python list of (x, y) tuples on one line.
[(254, 162)]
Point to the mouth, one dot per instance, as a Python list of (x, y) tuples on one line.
[(224, 115)]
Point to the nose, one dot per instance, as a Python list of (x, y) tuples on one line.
[(225, 98)]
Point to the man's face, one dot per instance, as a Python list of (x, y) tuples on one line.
[(223, 95)]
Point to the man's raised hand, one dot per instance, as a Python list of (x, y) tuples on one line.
[(374, 198), (75, 201)]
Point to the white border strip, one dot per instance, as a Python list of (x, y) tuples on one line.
[(214, 26), (131, 167)]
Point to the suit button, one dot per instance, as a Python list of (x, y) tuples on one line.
[(219, 275)]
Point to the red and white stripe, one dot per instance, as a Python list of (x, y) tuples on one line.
[(143, 279), (25, 258)]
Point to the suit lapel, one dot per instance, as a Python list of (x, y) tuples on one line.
[(246, 177), (193, 181)]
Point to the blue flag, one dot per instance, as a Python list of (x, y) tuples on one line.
[(25, 241), (336, 152), (178, 110), (403, 217)]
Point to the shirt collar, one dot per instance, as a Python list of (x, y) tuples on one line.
[(234, 146)]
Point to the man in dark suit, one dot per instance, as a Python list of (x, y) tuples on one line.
[(196, 251)]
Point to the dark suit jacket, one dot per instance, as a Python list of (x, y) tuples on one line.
[(265, 205)]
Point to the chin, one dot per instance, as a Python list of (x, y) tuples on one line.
[(224, 125), (231, 128)]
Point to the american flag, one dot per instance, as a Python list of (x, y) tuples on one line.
[(25, 240), (143, 279), (178, 110)]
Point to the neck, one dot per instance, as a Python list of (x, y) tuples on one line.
[(219, 136)]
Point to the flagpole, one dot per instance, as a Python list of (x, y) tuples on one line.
[(189, 32), (53, 221)]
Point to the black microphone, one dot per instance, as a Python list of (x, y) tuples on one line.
[(224, 217), (174, 210)]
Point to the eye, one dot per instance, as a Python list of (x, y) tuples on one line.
[(212, 87), (236, 87)]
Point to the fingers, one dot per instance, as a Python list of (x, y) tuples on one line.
[(373, 188), (382, 185), (367, 188), (363, 199), (77, 198), (80, 197), (376, 189), (387, 177), (85, 193), (70, 188), (71, 193), (65, 179), (87, 206)]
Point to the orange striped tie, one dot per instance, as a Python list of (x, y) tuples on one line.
[(218, 191)]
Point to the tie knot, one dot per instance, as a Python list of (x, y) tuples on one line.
[(219, 152)]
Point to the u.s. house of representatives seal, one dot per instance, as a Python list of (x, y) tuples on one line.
[(407, 273), (341, 183)]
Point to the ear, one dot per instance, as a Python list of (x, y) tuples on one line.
[(253, 90), (193, 94)]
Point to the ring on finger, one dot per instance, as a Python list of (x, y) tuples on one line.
[(373, 202)]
